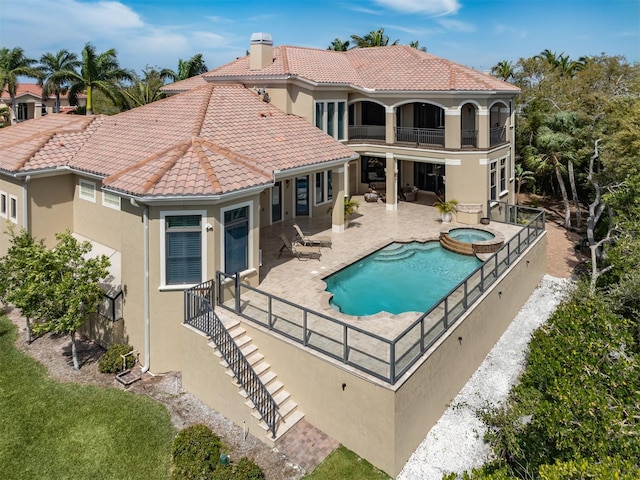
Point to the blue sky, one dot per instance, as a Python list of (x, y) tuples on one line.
[(477, 33)]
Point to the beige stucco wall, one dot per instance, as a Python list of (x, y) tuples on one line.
[(50, 206), (10, 187)]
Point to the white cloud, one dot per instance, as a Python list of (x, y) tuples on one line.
[(457, 25), (428, 7), (70, 24)]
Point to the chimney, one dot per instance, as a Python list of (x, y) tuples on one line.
[(261, 53)]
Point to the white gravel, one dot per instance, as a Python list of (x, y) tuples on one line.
[(455, 443)]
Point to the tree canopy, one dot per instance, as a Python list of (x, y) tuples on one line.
[(57, 288)]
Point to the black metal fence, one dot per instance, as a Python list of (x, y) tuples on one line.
[(386, 359), (199, 313)]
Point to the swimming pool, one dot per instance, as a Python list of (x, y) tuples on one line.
[(401, 277)]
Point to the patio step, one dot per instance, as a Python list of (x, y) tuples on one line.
[(288, 412)]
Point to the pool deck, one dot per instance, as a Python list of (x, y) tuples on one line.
[(372, 227)]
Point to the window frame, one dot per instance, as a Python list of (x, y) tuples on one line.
[(493, 181), (250, 243), (4, 204), (503, 176), (13, 208), (336, 126), (87, 184), (114, 196), (163, 247), (326, 194)]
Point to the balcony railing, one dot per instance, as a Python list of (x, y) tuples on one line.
[(420, 136), (497, 135), (367, 132), (386, 359), (199, 313), (469, 138)]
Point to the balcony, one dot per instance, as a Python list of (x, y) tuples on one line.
[(367, 132), (469, 138), (497, 136), (420, 136)]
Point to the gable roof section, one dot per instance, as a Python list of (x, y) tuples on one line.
[(392, 68), (212, 140)]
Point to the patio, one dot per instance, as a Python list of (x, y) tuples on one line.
[(371, 228)]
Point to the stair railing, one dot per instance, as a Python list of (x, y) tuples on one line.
[(200, 314)]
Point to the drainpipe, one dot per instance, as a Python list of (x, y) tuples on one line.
[(25, 207), (145, 256)]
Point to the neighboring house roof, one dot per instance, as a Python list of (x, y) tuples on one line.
[(29, 89), (391, 68), (185, 85), (212, 140)]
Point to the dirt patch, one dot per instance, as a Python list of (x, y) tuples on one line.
[(562, 256), (54, 352)]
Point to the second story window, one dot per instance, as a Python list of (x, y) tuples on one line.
[(330, 118), (87, 191)]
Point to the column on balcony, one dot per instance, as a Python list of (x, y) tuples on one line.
[(338, 186), (391, 172), (390, 125), (484, 129), (452, 136)]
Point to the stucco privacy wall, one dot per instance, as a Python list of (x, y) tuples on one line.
[(380, 423)]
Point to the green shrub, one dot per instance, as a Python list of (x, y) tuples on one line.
[(246, 469), (196, 452), (111, 361)]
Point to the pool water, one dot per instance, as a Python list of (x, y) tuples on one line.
[(401, 277), (470, 235)]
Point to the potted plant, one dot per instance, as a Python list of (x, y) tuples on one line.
[(350, 207), (446, 209)]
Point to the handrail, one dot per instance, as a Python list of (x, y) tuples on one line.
[(200, 314), (420, 136), (400, 353), (497, 135)]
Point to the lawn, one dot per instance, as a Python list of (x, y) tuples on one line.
[(53, 430), (343, 463)]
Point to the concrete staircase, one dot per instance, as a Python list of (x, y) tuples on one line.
[(289, 413)]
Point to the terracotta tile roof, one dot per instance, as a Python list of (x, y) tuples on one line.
[(211, 140), (184, 85), (29, 89), (23, 143), (396, 68)]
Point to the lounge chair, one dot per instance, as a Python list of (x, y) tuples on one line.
[(302, 252), (312, 240)]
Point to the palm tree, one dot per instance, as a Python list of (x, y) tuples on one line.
[(554, 145), (523, 177), (14, 64), (339, 45), (101, 72), (57, 71), (375, 38), (416, 44), (146, 89), (503, 70), (187, 68), (550, 58)]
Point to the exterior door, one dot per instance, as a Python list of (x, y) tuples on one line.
[(276, 202), (302, 196)]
